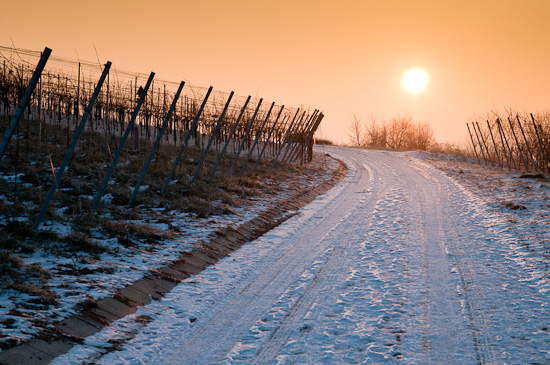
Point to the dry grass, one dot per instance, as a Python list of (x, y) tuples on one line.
[(26, 176)]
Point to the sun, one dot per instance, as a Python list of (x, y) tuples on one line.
[(415, 80)]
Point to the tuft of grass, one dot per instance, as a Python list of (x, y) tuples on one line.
[(79, 242)]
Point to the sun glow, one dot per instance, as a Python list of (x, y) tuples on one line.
[(415, 80)]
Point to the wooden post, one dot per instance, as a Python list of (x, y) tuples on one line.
[(308, 135), (503, 146), (283, 141), (527, 144), (503, 135), (484, 144), (312, 133), (519, 148), (473, 144), (294, 149), (294, 132), (479, 144), (494, 144), (547, 169)]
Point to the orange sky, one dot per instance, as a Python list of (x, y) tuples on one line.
[(343, 57)]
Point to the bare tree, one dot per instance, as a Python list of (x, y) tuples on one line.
[(376, 133), (399, 133), (420, 137), (398, 127), (355, 132)]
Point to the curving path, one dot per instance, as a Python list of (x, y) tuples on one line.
[(396, 263)]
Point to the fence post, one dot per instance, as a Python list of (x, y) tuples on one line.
[(527, 144), (129, 128), (503, 145), (294, 149), (291, 140), (72, 145), (485, 144), (519, 148), (216, 129), (310, 138), (480, 145), (182, 149), (233, 129), (494, 143), (297, 150), (289, 129), (156, 144), (540, 144), (503, 135), (278, 137), (473, 144), (307, 133), (267, 141), (258, 136), (24, 101), (241, 145)]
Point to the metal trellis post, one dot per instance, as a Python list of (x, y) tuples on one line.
[(129, 128), (267, 141), (241, 145), (72, 145), (233, 129), (216, 129), (258, 136), (24, 101), (184, 146), (157, 142)]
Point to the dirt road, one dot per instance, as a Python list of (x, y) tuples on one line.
[(396, 263)]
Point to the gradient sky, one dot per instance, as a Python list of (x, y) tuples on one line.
[(344, 57)]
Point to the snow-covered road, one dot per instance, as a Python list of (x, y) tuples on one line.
[(396, 263)]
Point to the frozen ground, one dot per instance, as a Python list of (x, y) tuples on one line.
[(401, 262), (77, 277)]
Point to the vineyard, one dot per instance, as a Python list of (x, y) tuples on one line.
[(116, 133), (517, 141)]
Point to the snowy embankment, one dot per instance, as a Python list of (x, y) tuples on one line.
[(78, 279), (400, 261)]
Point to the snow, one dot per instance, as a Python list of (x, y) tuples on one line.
[(412, 257), (79, 276)]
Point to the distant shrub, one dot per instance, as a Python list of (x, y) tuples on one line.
[(324, 141)]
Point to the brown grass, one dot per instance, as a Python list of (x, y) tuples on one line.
[(32, 158)]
